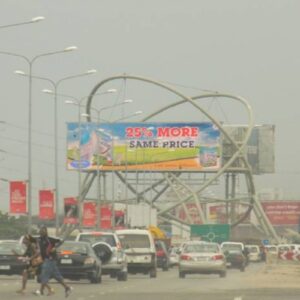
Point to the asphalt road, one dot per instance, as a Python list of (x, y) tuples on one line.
[(167, 286)]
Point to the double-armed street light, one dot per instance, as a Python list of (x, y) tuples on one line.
[(56, 85), (30, 62)]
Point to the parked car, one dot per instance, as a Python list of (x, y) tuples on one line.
[(174, 256), (11, 262), (108, 248), (140, 250), (201, 258), (77, 260), (284, 248), (162, 255), (295, 248), (235, 256), (254, 253), (273, 249)]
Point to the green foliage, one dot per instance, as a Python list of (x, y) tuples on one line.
[(12, 227)]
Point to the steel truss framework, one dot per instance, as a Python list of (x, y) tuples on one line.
[(186, 187)]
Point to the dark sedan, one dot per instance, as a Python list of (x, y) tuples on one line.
[(11, 260), (77, 260)]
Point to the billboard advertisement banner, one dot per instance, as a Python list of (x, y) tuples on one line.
[(282, 212), (89, 214), (71, 210), (46, 201), (139, 146), (18, 197)]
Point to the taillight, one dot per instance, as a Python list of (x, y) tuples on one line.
[(185, 257), (160, 253), (89, 261), (218, 257)]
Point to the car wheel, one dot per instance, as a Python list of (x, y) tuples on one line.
[(223, 274), (122, 276), (153, 273), (181, 275)]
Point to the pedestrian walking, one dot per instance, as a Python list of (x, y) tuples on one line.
[(31, 256), (47, 249)]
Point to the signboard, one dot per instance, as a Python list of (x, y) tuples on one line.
[(17, 197), (218, 214), (193, 213), (217, 233), (71, 210), (89, 214), (282, 212), (46, 201), (140, 146)]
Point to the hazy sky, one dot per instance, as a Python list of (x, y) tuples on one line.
[(247, 48)]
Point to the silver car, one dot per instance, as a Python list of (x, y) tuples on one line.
[(201, 258), (108, 248)]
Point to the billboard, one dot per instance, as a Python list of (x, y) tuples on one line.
[(17, 197), (282, 212), (260, 149), (46, 201), (139, 146)]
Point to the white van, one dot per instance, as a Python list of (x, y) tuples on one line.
[(140, 251)]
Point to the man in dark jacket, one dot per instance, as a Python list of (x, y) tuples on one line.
[(47, 248)]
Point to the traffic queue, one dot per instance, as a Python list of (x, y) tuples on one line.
[(90, 255)]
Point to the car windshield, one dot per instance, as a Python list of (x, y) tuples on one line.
[(231, 247), (205, 248), (11, 249), (271, 249), (96, 238), (134, 241), (253, 249), (73, 248)]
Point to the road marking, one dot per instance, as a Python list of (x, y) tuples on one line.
[(238, 298)]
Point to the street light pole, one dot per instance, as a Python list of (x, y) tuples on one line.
[(55, 92), (30, 64), (33, 20)]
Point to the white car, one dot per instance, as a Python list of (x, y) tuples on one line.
[(140, 250), (201, 258), (108, 248), (254, 253), (174, 256)]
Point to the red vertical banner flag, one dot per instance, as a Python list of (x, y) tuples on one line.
[(71, 210), (106, 217), (89, 214), (18, 203), (46, 201)]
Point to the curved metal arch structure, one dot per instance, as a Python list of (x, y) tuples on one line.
[(172, 180)]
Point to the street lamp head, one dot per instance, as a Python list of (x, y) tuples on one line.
[(69, 102), (47, 91), (85, 115), (37, 19), (139, 112), (128, 101), (71, 48), (111, 90), (91, 71), (19, 72)]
